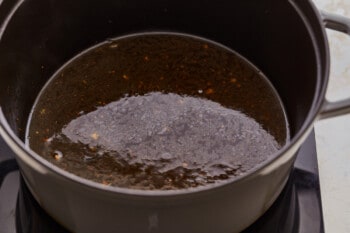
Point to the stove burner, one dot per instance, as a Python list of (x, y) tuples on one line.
[(298, 208), (30, 217)]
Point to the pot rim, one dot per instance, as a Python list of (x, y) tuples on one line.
[(26, 154)]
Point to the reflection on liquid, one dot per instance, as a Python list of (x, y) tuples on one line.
[(162, 141)]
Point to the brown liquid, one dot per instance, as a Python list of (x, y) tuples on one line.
[(157, 111)]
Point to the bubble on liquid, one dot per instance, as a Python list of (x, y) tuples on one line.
[(166, 156), (57, 155), (87, 158)]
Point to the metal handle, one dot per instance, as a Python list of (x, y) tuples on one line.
[(341, 24)]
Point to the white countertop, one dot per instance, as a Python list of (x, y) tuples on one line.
[(333, 135)]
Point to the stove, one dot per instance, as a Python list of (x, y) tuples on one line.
[(297, 210)]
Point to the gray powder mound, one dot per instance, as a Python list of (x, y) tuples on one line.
[(168, 131)]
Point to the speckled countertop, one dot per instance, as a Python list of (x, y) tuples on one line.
[(333, 135)]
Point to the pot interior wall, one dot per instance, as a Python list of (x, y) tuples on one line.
[(43, 34)]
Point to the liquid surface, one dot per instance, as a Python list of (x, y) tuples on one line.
[(157, 111)]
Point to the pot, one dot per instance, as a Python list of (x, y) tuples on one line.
[(285, 39)]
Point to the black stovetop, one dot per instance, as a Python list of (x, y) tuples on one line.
[(297, 210)]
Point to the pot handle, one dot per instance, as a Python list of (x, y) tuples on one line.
[(341, 24)]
